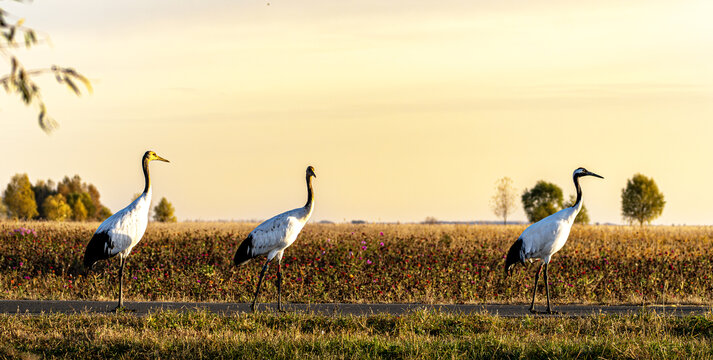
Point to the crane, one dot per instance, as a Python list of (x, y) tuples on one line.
[(544, 238), (275, 235), (118, 234)]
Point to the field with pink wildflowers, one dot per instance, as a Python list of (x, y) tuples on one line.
[(374, 263)]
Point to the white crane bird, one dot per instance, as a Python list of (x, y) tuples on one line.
[(275, 235), (118, 234), (544, 238)]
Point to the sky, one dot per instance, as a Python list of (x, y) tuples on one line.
[(405, 109)]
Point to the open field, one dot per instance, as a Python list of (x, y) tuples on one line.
[(420, 334), (363, 264)]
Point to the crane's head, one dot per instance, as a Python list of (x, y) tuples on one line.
[(584, 172), (150, 155), (310, 172)]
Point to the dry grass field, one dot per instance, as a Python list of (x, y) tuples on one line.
[(374, 263), (418, 335)]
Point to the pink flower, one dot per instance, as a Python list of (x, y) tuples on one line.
[(381, 233), (368, 262)]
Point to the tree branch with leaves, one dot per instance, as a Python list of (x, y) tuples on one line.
[(20, 81)]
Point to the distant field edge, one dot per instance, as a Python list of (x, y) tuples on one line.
[(37, 307)]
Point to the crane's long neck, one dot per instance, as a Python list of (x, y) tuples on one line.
[(310, 199), (310, 195), (578, 203), (145, 164)]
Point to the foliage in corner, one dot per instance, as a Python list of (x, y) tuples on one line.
[(20, 81)]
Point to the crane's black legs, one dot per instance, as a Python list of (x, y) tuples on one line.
[(120, 307), (279, 286), (547, 288), (534, 288), (259, 282)]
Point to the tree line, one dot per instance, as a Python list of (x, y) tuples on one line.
[(70, 199), (641, 201)]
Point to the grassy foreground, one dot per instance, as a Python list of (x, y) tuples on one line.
[(375, 263), (422, 334)]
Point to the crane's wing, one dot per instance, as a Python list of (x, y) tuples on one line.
[(539, 238), (119, 232), (274, 233)]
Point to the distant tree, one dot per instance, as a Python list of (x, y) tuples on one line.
[(55, 208), (583, 216), (542, 200), (430, 220), (87, 204), (42, 190), (641, 200), (103, 213), (79, 212), (19, 198), (503, 202), (163, 212), (20, 81), (71, 185), (3, 209)]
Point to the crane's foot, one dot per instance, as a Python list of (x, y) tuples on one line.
[(253, 307), (532, 310), (121, 309)]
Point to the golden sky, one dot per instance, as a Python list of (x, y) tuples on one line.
[(405, 109)]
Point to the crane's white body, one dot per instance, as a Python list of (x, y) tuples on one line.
[(118, 234), (273, 236), (544, 238), (126, 227), (276, 234)]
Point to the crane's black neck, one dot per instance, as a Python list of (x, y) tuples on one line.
[(579, 190), (310, 193), (145, 164)]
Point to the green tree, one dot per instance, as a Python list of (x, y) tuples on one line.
[(42, 190), (641, 200), (542, 200), (3, 209), (103, 213), (20, 81), (87, 208), (79, 212), (56, 208), (583, 216), (163, 212), (19, 198), (503, 202)]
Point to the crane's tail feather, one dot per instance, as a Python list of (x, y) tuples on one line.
[(516, 254), (96, 249), (244, 253)]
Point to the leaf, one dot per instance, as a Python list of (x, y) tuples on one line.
[(71, 85)]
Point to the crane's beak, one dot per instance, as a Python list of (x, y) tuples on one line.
[(593, 174), (160, 158)]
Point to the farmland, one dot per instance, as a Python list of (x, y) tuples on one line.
[(374, 263)]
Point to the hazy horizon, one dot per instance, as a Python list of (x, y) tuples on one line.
[(405, 109)]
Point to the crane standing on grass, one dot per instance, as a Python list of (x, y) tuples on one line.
[(273, 236), (118, 234), (544, 238)]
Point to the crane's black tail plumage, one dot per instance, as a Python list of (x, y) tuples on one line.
[(515, 255), (244, 253), (96, 249)]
